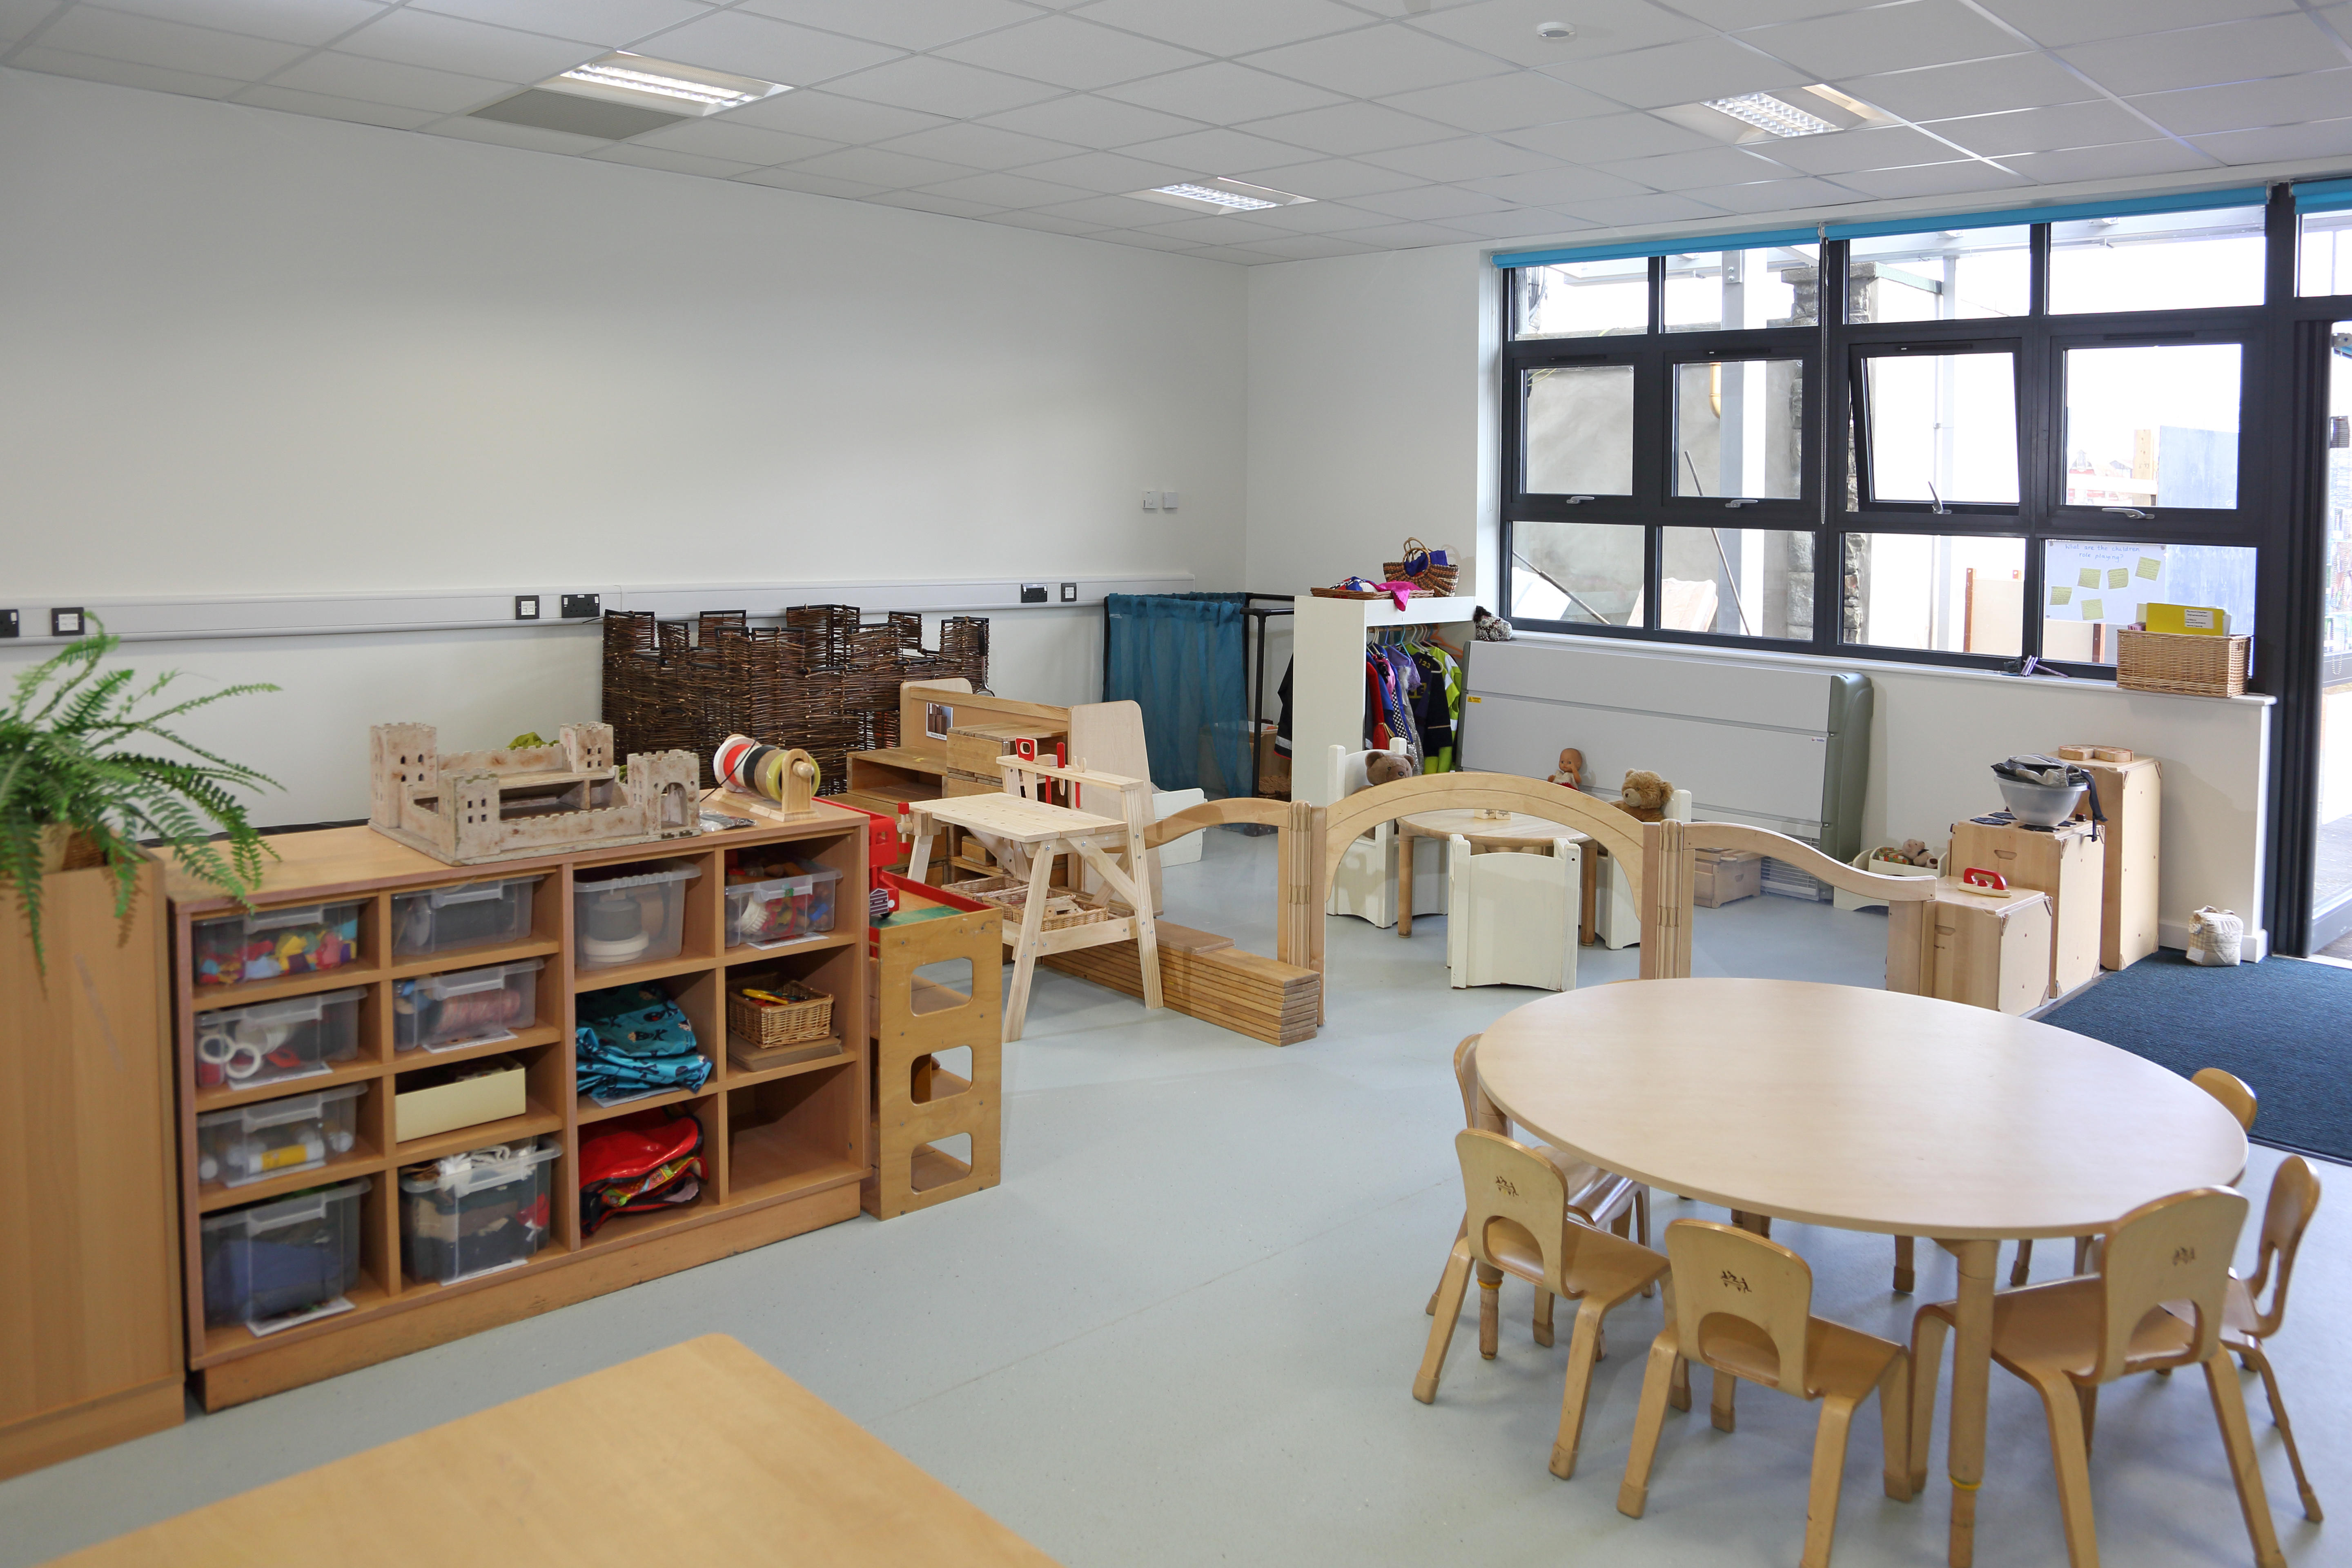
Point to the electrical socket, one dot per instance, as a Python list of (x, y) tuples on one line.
[(582, 606), (1167, 501), (1033, 593), (8, 624)]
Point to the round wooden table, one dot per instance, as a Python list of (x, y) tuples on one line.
[(1866, 1111), (1518, 831)]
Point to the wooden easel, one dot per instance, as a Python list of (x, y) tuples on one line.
[(1033, 831)]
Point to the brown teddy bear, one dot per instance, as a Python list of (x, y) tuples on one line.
[(1386, 767), (1571, 769), (1644, 797)]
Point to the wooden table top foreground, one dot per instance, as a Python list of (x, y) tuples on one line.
[(1865, 1109), (701, 1453)]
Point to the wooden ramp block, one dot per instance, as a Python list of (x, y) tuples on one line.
[(1205, 976)]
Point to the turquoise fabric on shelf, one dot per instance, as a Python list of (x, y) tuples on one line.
[(1178, 658)]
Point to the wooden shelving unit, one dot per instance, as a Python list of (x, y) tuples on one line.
[(783, 1150)]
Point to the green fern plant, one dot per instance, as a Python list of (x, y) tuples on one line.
[(65, 760)]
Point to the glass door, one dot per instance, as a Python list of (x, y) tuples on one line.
[(2331, 867)]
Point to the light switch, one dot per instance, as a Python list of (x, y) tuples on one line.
[(66, 623), (1151, 500), (1069, 593), (1167, 501), (526, 607)]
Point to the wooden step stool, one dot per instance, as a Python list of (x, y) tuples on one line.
[(917, 1103)]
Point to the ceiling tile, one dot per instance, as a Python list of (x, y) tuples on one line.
[(1226, 26), (1517, 223), (309, 22), (1729, 14), (1409, 236), (831, 117), (1208, 229), (1333, 179), (1140, 240), (1502, 103), (1117, 211), (18, 17), (674, 163), (350, 109), (1689, 72), (1436, 202), (907, 24), (167, 46), (464, 128), (1223, 94), (39, 56), (873, 166), (2056, 22), (1556, 187), (1870, 147), (471, 49), (1114, 173), (762, 47), (1084, 120), (388, 81), (611, 22), (2320, 139), (2203, 56), (2248, 105), (1218, 151), (1980, 87), (1930, 180), (979, 146), (721, 137), (1240, 255), (1377, 61), (1313, 247), (1350, 128), (941, 87), (1608, 136), (1465, 158), (1507, 27), (1007, 190), (1317, 217), (1884, 39), (923, 202), (795, 179), (1044, 222), (2162, 156), (1618, 212), (2094, 124), (1707, 167), (1070, 53), (1770, 195)]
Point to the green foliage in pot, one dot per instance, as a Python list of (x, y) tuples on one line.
[(75, 762)]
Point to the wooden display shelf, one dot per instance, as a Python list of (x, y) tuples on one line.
[(740, 1077), (791, 1164)]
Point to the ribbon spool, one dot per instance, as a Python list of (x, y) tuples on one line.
[(754, 767)]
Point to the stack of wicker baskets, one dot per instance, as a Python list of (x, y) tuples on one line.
[(1430, 579)]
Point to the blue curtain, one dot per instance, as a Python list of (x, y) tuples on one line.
[(1179, 656)]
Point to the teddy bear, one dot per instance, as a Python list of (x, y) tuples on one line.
[(1571, 769), (1386, 767), (1644, 797)]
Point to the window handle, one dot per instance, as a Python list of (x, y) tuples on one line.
[(1736, 505), (1578, 500), (2127, 512)]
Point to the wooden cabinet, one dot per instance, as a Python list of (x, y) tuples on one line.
[(2132, 795), (89, 1330), (1989, 951), (2067, 862), (783, 1150)]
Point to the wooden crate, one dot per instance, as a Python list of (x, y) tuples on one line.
[(1720, 877), (1991, 950), (2131, 794), (917, 1103), (2066, 863)]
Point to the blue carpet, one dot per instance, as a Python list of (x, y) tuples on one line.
[(2284, 1026)]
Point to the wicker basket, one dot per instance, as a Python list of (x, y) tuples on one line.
[(2181, 662), (1360, 594), (1012, 894), (807, 1016), (1437, 581)]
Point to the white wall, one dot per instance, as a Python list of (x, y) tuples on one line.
[(245, 352)]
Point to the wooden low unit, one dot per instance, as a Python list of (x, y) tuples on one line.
[(919, 1103), (1205, 976)]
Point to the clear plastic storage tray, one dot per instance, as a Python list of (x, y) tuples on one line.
[(780, 909), (473, 1006), (281, 1258), (255, 1142), (268, 944), (471, 914), (244, 1048), (474, 1212), (636, 917)]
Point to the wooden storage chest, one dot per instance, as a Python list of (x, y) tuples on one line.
[(2068, 862)]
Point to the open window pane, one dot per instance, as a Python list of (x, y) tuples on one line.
[(1739, 582), (1710, 291), (1584, 299), (1737, 430), (1955, 275), (1579, 430), (1943, 427), (2091, 589), (2154, 425), (1953, 595), (1589, 572), (2324, 259), (2164, 262)]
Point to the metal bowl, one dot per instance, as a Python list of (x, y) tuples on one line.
[(2039, 805)]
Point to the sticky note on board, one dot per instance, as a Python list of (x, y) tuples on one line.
[(2059, 595), (2089, 578), (2118, 577), (2149, 567), (2095, 610)]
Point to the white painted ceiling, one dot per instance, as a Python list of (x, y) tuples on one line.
[(1411, 122)]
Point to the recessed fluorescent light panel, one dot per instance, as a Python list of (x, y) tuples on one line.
[(1767, 113), (1220, 196), (664, 85)]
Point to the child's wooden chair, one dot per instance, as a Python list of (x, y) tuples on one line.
[(1596, 1197), (2069, 1337), (2295, 1194), (1744, 1306), (1517, 1222)]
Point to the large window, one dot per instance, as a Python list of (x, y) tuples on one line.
[(2012, 403)]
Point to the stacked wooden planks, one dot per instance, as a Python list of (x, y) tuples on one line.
[(1205, 976)]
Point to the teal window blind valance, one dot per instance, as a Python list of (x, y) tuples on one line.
[(2322, 196), (1681, 245)]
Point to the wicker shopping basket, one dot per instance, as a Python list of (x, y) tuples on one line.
[(1435, 580)]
